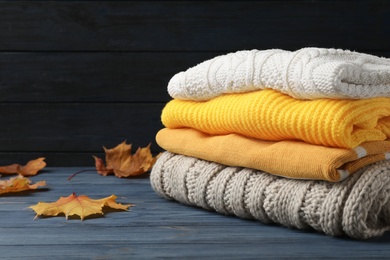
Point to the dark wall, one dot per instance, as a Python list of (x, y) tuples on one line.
[(76, 75)]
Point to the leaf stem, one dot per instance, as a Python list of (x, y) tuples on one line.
[(74, 174)]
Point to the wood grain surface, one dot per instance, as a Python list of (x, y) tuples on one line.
[(154, 228), (192, 25), (79, 75)]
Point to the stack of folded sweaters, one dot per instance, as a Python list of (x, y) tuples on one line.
[(295, 138)]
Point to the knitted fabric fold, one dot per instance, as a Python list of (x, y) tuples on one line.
[(271, 115), (292, 159), (358, 207), (308, 73)]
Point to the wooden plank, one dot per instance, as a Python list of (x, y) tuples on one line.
[(155, 227), (89, 234), (91, 77), (85, 127), (65, 159), (225, 250), (94, 77), (53, 158), (192, 25)]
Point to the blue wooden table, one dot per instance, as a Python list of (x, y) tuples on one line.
[(154, 228)]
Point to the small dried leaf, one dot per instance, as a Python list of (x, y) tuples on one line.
[(81, 206), (31, 168), (18, 183), (100, 167), (122, 163), (141, 162), (10, 169)]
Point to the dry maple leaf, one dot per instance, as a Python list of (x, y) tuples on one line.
[(31, 168), (18, 183), (122, 163), (82, 206)]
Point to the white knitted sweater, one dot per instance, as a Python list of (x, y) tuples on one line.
[(308, 73)]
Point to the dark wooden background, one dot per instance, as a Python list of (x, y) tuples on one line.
[(77, 75)]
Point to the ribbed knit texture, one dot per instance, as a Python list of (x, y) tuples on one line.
[(290, 159), (308, 73), (271, 115), (358, 207)]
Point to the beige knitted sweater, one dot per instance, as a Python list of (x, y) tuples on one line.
[(358, 207)]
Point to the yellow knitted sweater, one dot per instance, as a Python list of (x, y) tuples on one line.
[(271, 115)]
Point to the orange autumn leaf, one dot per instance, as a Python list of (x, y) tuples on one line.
[(31, 168), (100, 167), (122, 163), (18, 183), (82, 206)]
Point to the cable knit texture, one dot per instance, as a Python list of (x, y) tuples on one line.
[(271, 115), (292, 159), (358, 207), (308, 73)]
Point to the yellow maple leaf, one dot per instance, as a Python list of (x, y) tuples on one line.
[(81, 206), (122, 163), (18, 183)]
